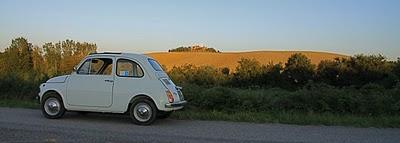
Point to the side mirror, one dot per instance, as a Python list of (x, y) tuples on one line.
[(74, 69)]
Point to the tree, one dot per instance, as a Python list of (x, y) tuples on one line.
[(328, 71), (298, 69), (194, 48), (61, 57), (16, 71), (247, 73), (357, 70), (366, 69), (52, 57), (271, 75), (18, 56), (3, 64), (396, 68), (24, 53), (68, 48), (39, 66), (24, 66)]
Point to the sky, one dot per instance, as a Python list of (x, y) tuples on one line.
[(341, 26)]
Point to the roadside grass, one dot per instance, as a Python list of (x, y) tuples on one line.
[(20, 103), (328, 119)]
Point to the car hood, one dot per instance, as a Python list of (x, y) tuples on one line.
[(58, 79)]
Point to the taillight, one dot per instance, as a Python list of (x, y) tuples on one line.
[(170, 96)]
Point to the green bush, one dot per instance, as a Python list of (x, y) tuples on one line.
[(271, 76), (247, 73), (206, 76), (217, 98), (357, 71), (298, 70), (371, 99)]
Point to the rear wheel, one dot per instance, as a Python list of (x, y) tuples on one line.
[(52, 106), (143, 111)]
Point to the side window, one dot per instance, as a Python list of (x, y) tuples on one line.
[(128, 68), (96, 66), (108, 70), (84, 69)]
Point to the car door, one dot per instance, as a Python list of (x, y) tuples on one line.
[(92, 84)]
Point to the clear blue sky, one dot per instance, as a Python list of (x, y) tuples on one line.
[(343, 26)]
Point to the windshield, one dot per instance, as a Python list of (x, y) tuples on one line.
[(155, 65)]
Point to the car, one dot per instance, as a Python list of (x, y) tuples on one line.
[(107, 82)]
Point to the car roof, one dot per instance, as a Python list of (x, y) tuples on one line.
[(120, 54)]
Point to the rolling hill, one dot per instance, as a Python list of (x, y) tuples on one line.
[(230, 59)]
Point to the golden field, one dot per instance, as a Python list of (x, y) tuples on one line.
[(230, 59)]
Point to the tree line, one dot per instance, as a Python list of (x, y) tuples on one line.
[(366, 85), (194, 48), (23, 66), (354, 71)]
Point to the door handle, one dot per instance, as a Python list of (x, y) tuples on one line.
[(107, 80)]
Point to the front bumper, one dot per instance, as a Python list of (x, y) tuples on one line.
[(175, 104)]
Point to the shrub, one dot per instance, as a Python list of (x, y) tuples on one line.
[(371, 99), (247, 73), (298, 70), (204, 75), (271, 75), (217, 98), (357, 71), (396, 69), (329, 71)]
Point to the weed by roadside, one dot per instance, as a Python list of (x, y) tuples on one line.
[(298, 118)]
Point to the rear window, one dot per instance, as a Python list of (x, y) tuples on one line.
[(155, 65)]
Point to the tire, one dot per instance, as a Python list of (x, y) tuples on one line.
[(163, 114), (52, 106), (143, 111)]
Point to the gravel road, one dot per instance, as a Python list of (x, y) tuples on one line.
[(28, 125)]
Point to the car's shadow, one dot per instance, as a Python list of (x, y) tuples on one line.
[(109, 118)]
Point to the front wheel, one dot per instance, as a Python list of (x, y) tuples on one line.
[(143, 111), (52, 106)]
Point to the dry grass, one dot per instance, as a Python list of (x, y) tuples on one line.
[(230, 59)]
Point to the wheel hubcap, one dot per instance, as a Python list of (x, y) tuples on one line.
[(142, 112), (52, 106)]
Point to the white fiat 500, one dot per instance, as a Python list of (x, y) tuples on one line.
[(113, 83)]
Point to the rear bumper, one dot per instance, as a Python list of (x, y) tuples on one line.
[(176, 104)]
